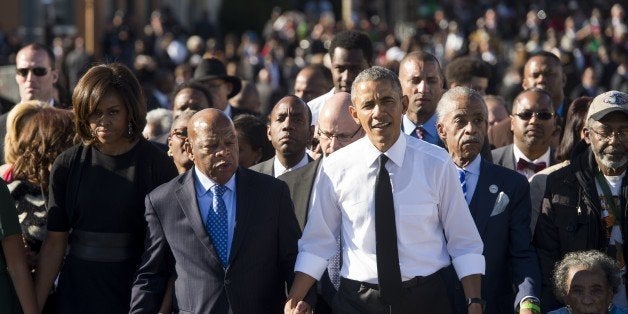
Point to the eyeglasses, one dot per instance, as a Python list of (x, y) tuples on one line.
[(541, 115), (339, 137), (39, 71), (180, 133), (606, 135)]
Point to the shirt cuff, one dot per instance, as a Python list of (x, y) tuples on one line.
[(469, 264), (310, 264)]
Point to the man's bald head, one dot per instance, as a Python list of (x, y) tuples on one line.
[(213, 144), (313, 81), (336, 127)]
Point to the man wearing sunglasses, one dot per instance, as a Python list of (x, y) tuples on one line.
[(533, 123), (585, 203), (35, 76)]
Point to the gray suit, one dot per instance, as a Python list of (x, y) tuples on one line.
[(265, 167), (261, 262), (505, 157)]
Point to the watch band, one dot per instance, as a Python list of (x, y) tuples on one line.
[(476, 300)]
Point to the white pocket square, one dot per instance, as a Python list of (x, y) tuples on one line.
[(500, 204)]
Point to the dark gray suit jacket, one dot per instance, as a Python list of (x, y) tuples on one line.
[(268, 166), (500, 207), (505, 157), (261, 262), (301, 182)]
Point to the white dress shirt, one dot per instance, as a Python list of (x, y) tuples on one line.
[(472, 175), (317, 103), (280, 169), (528, 172), (202, 184), (432, 218)]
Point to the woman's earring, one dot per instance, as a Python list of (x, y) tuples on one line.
[(169, 152), (130, 131)]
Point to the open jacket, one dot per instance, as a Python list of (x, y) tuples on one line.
[(570, 219)]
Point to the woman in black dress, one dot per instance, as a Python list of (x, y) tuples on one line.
[(96, 202)]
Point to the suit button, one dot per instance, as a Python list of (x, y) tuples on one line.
[(227, 282)]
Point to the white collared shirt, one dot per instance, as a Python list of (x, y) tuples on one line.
[(528, 172), (317, 103), (202, 184), (280, 169), (432, 218), (472, 175)]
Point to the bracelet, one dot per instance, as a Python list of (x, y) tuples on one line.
[(530, 306)]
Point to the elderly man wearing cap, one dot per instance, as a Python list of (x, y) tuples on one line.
[(585, 203), (212, 73)]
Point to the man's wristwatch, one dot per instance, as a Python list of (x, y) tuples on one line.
[(476, 300)]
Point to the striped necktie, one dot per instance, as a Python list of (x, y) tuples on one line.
[(463, 181)]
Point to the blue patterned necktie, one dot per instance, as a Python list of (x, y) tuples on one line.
[(216, 223), (463, 182)]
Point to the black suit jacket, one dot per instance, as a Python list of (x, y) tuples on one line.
[(261, 262), (500, 207), (505, 157)]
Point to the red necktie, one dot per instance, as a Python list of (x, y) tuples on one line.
[(524, 164)]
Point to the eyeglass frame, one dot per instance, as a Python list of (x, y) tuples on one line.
[(340, 139), (23, 72), (618, 134), (179, 133), (536, 114)]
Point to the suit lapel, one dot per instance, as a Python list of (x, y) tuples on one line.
[(509, 158), (483, 200), (302, 197), (186, 196), (243, 209)]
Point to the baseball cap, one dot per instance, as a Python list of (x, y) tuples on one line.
[(606, 103)]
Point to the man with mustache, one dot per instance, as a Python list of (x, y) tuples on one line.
[(585, 203), (290, 131), (423, 83), (499, 202), (396, 204), (227, 235), (351, 52), (533, 123)]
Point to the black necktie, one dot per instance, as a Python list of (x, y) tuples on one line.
[(388, 272)]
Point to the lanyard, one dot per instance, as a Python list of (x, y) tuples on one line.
[(606, 190)]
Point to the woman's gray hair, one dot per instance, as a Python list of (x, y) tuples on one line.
[(160, 117), (447, 102), (590, 260), (376, 73)]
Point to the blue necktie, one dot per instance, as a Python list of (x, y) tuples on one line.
[(216, 223), (463, 182)]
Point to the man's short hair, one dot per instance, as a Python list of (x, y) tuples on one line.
[(548, 55), (196, 86), (376, 73), (534, 90), (424, 57), (446, 103), (353, 40), (299, 100), (321, 70), (41, 47), (462, 70)]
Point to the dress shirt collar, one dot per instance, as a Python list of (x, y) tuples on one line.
[(519, 154), (280, 169), (474, 166), (395, 152), (429, 126), (227, 111), (203, 183)]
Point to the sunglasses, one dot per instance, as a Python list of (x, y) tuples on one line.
[(37, 71), (541, 115)]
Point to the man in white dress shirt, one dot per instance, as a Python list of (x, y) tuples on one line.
[(425, 204)]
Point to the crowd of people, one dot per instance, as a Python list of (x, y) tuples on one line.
[(470, 168)]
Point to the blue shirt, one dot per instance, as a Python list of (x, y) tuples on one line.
[(472, 175), (430, 135), (204, 196)]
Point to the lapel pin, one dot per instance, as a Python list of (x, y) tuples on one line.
[(493, 188)]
